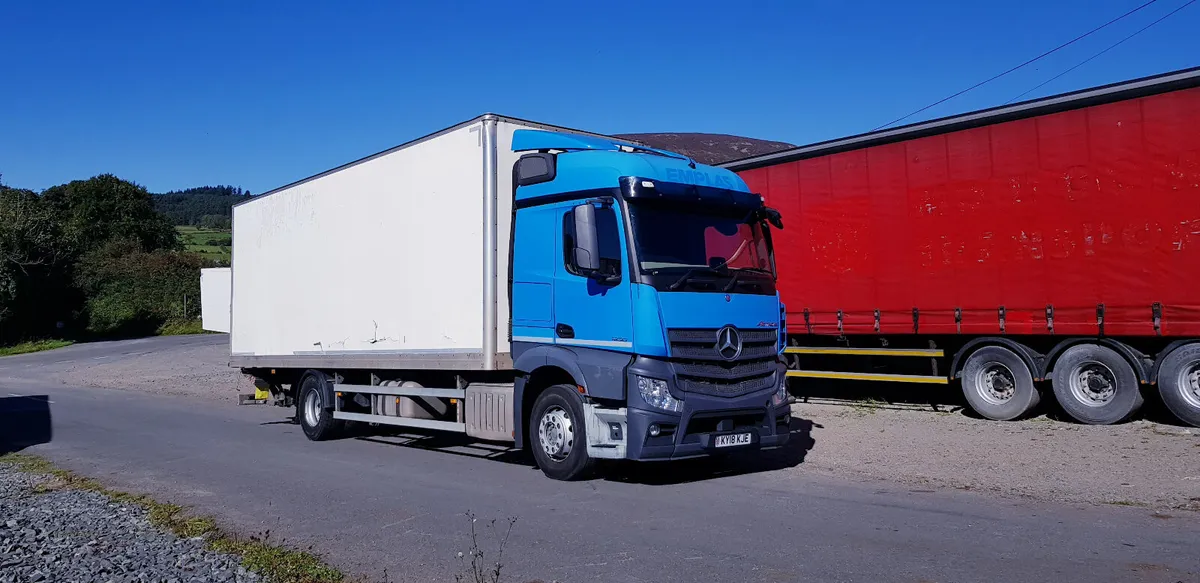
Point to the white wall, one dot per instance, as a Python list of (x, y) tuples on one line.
[(384, 256), (214, 299)]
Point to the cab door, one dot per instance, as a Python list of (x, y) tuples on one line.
[(593, 311)]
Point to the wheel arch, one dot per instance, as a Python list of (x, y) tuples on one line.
[(326, 384), (1031, 357), (1145, 368), (541, 367), (1167, 351)]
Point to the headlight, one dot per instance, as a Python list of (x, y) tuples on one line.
[(780, 398), (654, 393)]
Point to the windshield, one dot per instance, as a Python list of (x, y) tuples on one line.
[(670, 238)]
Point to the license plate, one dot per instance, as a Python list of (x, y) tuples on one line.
[(733, 440)]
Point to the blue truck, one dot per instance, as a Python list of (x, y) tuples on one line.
[(584, 297)]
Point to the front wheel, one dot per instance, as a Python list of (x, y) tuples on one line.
[(1179, 383), (558, 434)]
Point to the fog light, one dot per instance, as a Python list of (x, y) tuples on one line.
[(654, 430)]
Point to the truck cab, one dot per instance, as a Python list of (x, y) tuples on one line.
[(644, 313)]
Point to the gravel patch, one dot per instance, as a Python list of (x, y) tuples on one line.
[(199, 367), (76, 535), (1141, 463)]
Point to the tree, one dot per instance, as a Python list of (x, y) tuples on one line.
[(105, 207), (191, 206), (33, 293), (214, 222), (132, 292)]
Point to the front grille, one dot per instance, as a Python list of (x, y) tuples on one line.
[(700, 368), (738, 369), (726, 389), (702, 344)]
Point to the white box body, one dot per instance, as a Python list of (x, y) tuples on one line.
[(215, 303), (380, 263)]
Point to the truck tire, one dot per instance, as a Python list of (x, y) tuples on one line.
[(558, 434), (1095, 385), (1179, 383), (313, 413), (998, 384)]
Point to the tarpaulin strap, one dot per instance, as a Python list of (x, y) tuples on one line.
[(807, 321), (958, 319), (876, 319), (916, 321), (1100, 318), (1003, 319), (1156, 311), (1050, 317), (839, 317)]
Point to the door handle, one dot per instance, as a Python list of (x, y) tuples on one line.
[(564, 331)]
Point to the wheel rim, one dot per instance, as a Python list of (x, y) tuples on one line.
[(1093, 384), (556, 433), (996, 383), (1189, 383), (312, 409)]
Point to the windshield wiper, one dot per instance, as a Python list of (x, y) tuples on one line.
[(737, 274), (690, 274)]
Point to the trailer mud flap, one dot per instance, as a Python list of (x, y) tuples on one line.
[(607, 430)]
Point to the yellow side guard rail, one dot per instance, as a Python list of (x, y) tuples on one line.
[(928, 353), (864, 376)]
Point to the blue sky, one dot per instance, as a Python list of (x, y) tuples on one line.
[(176, 94)]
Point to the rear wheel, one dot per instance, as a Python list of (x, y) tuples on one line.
[(998, 384), (1179, 383), (1096, 385), (558, 434), (312, 411)]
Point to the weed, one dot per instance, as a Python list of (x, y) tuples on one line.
[(181, 327), (475, 565), (275, 562), (33, 346), (1126, 503)]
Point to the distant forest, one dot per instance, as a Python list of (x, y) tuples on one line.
[(203, 206)]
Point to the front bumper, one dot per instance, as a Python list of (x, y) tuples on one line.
[(686, 441), (692, 432)]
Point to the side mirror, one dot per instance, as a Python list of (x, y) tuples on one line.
[(587, 242), (774, 217), (534, 169)]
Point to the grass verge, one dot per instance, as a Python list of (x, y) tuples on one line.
[(181, 328), (274, 562), (33, 346)]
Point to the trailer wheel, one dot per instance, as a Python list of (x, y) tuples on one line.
[(998, 384), (1095, 385), (1179, 383), (558, 434), (313, 413)]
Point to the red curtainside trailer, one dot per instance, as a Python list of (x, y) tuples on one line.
[(1055, 240)]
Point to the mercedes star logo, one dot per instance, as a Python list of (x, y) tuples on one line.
[(729, 343)]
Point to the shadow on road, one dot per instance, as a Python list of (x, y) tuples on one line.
[(646, 473), (878, 395), (24, 422), (451, 443)]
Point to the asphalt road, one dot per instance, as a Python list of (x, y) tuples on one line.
[(375, 503)]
